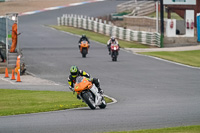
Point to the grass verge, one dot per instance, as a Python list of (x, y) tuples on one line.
[(173, 16), (185, 57), (98, 37), (187, 129), (13, 102)]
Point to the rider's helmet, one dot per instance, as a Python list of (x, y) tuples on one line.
[(74, 71), (84, 35), (112, 39)]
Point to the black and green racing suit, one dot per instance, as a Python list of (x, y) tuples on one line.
[(72, 81)]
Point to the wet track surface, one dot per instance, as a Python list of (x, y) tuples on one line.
[(150, 93)]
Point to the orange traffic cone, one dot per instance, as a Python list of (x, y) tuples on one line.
[(6, 73), (13, 75), (18, 77)]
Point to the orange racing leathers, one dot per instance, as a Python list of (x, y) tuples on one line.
[(14, 38)]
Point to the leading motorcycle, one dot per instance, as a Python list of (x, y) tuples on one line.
[(84, 46), (88, 92), (114, 51)]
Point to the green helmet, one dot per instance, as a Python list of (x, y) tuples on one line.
[(74, 71)]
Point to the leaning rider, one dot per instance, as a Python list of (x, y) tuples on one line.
[(75, 72)]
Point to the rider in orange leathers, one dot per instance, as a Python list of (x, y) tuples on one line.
[(14, 38)]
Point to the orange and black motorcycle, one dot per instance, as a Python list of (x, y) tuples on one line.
[(88, 92), (84, 46)]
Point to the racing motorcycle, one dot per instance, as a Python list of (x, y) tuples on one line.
[(114, 51), (88, 92), (84, 46)]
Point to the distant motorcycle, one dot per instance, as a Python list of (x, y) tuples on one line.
[(84, 46), (89, 93), (114, 51)]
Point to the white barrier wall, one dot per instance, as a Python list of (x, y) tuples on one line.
[(189, 18), (171, 28), (189, 25), (96, 25)]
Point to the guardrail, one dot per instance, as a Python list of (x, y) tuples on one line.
[(106, 28), (126, 6), (146, 8), (140, 8)]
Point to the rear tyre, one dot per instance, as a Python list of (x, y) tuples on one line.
[(89, 99)]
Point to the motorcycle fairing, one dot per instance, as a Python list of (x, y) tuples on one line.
[(84, 44), (83, 85), (98, 97)]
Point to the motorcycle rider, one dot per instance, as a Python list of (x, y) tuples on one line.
[(75, 72), (110, 41), (83, 38)]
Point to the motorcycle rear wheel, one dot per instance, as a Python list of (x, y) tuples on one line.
[(89, 100)]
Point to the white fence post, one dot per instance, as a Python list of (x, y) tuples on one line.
[(104, 27), (65, 19), (111, 30), (58, 19), (121, 33), (128, 35), (79, 22), (75, 20)]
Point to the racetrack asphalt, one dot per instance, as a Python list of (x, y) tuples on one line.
[(151, 93)]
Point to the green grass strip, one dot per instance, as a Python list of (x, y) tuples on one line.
[(13, 102), (173, 16), (98, 37), (185, 57), (186, 129)]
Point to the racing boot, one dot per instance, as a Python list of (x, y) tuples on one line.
[(109, 51), (97, 84), (100, 90)]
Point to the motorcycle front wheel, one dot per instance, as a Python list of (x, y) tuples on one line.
[(114, 56), (89, 99), (84, 52), (103, 104)]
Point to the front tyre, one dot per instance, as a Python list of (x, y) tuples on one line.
[(114, 56), (89, 100), (103, 104), (84, 52)]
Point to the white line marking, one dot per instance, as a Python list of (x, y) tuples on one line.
[(157, 58), (4, 79)]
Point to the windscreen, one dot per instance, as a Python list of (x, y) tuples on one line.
[(84, 42), (79, 79)]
